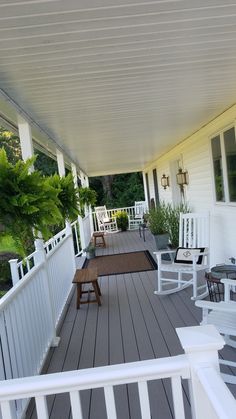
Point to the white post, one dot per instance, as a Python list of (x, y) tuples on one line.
[(145, 188), (201, 345), (61, 163), (84, 184), (26, 142), (69, 233), (40, 257), (15, 277), (74, 174)]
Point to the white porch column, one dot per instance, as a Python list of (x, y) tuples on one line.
[(61, 163), (74, 174), (26, 142), (145, 188), (84, 181), (88, 210)]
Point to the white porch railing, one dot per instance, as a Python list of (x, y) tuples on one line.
[(209, 395), (111, 213), (31, 310), (82, 233)]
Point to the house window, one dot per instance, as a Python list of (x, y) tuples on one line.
[(224, 164)]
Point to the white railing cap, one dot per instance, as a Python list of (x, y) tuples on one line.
[(200, 338)]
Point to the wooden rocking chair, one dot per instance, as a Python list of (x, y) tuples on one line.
[(190, 259)]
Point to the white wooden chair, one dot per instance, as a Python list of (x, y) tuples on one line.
[(223, 316), (189, 260), (140, 207), (105, 223)]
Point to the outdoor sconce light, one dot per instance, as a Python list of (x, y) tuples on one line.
[(182, 178), (165, 181)]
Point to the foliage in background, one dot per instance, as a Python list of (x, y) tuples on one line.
[(8, 244), (117, 191), (11, 144), (122, 220), (45, 164)]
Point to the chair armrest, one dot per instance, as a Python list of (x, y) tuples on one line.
[(228, 281), (162, 252), (221, 306)]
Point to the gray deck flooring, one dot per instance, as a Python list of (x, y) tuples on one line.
[(132, 324)]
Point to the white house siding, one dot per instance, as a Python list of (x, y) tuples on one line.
[(195, 154)]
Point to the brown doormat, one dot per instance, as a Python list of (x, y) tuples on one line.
[(122, 263)]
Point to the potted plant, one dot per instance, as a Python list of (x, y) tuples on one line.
[(172, 215), (90, 251), (122, 220), (158, 226)]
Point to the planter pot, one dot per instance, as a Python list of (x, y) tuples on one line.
[(90, 254), (162, 241)]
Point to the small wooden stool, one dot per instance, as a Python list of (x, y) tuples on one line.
[(99, 235), (86, 276)]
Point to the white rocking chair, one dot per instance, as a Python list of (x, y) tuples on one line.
[(140, 207), (191, 258), (105, 223), (223, 316)]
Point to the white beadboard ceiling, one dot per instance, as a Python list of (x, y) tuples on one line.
[(116, 83)]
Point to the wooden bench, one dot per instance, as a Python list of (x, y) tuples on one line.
[(87, 276)]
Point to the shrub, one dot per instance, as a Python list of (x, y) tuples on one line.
[(122, 220), (172, 221), (157, 220), (5, 272)]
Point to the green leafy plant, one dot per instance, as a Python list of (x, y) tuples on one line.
[(122, 220), (89, 248), (172, 214), (87, 196), (67, 195), (27, 202), (90, 251), (157, 220)]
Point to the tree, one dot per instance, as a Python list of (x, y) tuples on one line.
[(118, 190), (11, 144)]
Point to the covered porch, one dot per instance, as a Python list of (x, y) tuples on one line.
[(132, 324), (106, 88)]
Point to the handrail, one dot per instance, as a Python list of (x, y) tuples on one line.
[(210, 396), (107, 377)]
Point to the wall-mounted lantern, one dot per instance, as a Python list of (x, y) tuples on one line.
[(182, 178), (165, 181)]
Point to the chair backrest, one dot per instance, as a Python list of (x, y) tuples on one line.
[(140, 208), (101, 214), (194, 230)]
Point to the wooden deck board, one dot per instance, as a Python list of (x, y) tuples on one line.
[(132, 324)]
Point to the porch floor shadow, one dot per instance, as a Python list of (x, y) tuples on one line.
[(132, 324)]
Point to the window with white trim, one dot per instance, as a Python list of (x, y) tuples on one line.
[(223, 148)]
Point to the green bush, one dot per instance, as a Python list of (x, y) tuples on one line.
[(165, 219), (5, 272), (172, 221), (157, 220), (122, 220)]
